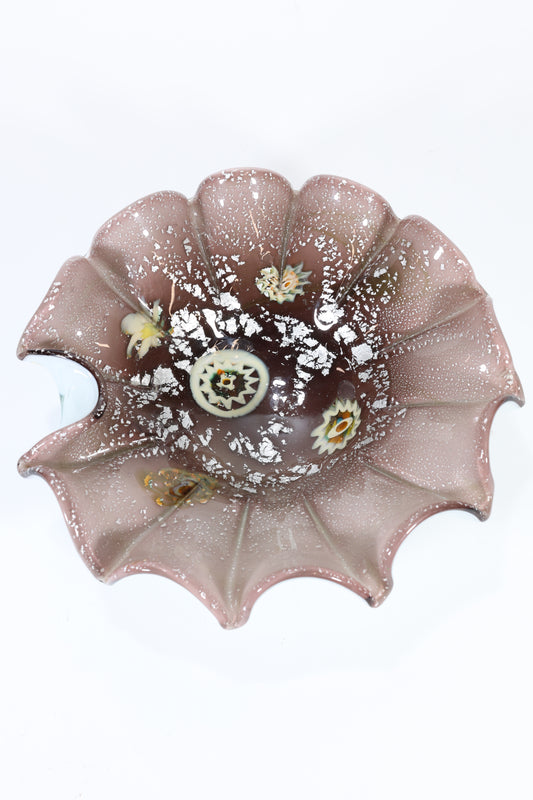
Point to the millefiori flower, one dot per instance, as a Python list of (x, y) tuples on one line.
[(144, 330)]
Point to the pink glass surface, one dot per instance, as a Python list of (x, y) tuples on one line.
[(289, 383)]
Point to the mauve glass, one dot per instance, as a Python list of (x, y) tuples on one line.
[(289, 382)]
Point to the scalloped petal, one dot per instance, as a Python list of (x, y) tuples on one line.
[(280, 542), (110, 431), (243, 217), (418, 280), (151, 251), (441, 449), (63, 324), (337, 226), (462, 360)]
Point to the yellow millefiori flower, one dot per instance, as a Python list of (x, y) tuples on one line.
[(144, 330), (340, 422), (285, 287), (176, 487)]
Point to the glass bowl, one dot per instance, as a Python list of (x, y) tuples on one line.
[(288, 383)]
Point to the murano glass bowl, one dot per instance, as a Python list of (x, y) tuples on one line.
[(288, 381)]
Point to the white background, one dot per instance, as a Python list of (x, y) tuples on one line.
[(134, 691)]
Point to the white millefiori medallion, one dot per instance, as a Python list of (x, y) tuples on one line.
[(229, 383)]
